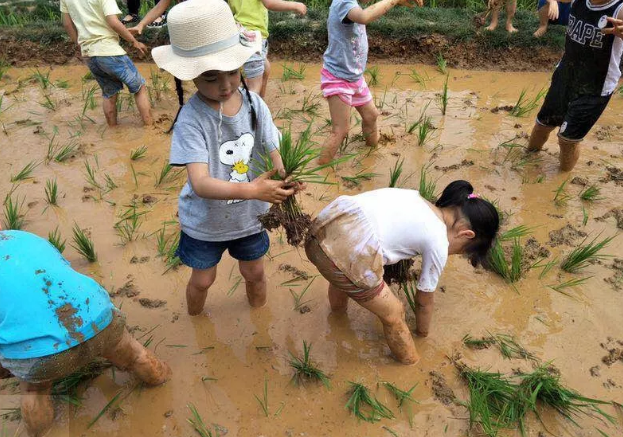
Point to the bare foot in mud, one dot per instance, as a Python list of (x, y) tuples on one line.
[(510, 28), (491, 27), (540, 31)]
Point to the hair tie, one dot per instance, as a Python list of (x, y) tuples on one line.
[(473, 196)]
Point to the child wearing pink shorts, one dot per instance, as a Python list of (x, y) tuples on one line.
[(342, 82)]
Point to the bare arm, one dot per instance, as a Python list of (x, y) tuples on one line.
[(617, 25), (285, 6), (374, 12), (116, 25), (262, 187), (155, 12), (425, 303), (70, 27)]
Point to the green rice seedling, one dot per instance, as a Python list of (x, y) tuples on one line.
[(289, 72), (55, 239), (110, 183), (442, 65), (373, 75), (305, 370), (138, 153), (90, 175), (311, 105), (366, 407), (129, 224), (88, 97), (63, 84), (167, 175), (197, 422), (25, 173), (51, 192), (65, 152), (159, 84), (443, 97), (427, 186), (4, 67), (297, 157), (507, 344), (543, 385), (404, 398), (498, 263), (562, 287), (298, 297), (493, 404), (48, 102), (395, 173), (358, 178), (583, 255), (591, 194), (410, 290), (13, 215), (107, 407), (584, 216), (83, 244), (43, 79), (264, 401), (561, 196), (546, 268), (524, 105), (66, 389), (425, 130), (516, 232), (418, 78)]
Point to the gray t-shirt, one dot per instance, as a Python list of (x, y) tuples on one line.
[(196, 139), (347, 53)]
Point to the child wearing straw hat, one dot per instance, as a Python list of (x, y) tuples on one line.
[(219, 134)]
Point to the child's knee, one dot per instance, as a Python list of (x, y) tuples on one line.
[(339, 130), (253, 272), (202, 282), (370, 117)]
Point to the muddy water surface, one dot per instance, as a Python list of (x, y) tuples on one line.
[(240, 347)]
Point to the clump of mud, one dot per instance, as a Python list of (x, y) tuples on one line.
[(616, 280), (399, 273), (565, 236), (128, 290), (441, 391), (617, 213), (152, 303), (464, 163), (615, 351), (615, 175), (506, 108), (297, 273), (296, 227), (532, 252)]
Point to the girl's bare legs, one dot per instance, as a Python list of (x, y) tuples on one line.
[(538, 137), (569, 154), (37, 408), (511, 8), (110, 110), (130, 355), (265, 77), (340, 123), (543, 20), (495, 15), (337, 299), (255, 84), (143, 105), (197, 289), (255, 281), (369, 115), (391, 312)]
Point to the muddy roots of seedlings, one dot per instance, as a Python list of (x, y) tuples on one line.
[(289, 216), (399, 273)]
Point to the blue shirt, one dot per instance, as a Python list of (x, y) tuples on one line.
[(347, 53), (46, 307)]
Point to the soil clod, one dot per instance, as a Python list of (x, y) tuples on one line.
[(152, 303), (441, 391), (295, 272), (565, 236), (127, 290), (617, 213), (296, 229)]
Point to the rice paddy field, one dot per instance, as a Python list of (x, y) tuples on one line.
[(525, 349)]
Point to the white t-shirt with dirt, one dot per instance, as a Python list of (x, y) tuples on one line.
[(400, 223)]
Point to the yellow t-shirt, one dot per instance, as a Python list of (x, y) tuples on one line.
[(95, 36), (252, 14)]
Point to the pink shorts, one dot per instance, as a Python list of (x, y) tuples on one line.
[(352, 93)]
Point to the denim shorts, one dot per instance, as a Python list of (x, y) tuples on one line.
[(201, 255), (112, 72), (254, 67)]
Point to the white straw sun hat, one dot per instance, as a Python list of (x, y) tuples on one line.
[(204, 37)]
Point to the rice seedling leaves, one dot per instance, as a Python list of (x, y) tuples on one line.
[(395, 173), (54, 237), (289, 72), (442, 65), (51, 192), (428, 186), (591, 194), (197, 422), (25, 173), (305, 370), (443, 97), (366, 407), (13, 215), (138, 153), (524, 105), (583, 255), (106, 408), (561, 288), (373, 75), (83, 244), (264, 401)]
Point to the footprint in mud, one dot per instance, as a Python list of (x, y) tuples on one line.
[(567, 235), (441, 391), (464, 163), (616, 280), (614, 174), (127, 290), (141, 260), (295, 272), (615, 351), (617, 213)]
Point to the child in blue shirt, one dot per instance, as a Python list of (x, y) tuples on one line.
[(219, 135), (53, 321)]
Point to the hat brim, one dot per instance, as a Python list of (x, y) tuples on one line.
[(188, 68)]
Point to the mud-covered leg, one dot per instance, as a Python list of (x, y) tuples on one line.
[(37, 408), (391, 312), (255, 281), (129, 354), (340, 123), (569, 154), (538, 137), (369, 115), (337, 299), (197, 289)]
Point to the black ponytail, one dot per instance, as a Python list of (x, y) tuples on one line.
[(481, 214), (253, 114), (179, 89)]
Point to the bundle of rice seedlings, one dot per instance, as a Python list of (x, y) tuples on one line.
[(366, 407), (507, 344), (297, 157), (410, 289), (403, 397), (399, 273), (583, 255), (66, 389), (493, 403), (544, 385), (497, 261), (305, 370)]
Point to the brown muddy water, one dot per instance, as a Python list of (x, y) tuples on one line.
[(242, 347)]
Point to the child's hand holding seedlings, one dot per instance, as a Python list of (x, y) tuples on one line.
[(270, 190)]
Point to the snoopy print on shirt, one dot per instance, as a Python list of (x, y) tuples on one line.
[(237, 155)]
